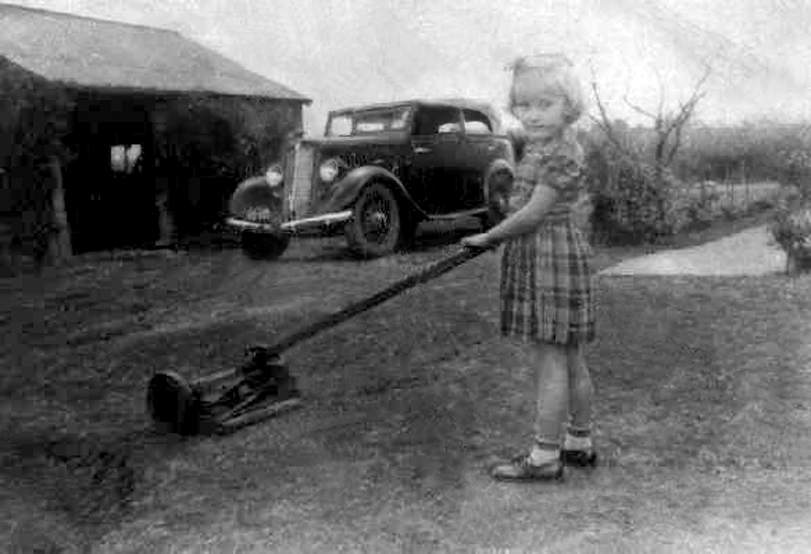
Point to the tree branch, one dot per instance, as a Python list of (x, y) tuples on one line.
[(661, 105), (639, 109), (677, 123), (605, 123)]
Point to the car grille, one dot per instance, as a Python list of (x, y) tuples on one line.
[(298, 174)]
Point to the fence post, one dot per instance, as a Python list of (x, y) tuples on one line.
[(747, 192), (166, 222)]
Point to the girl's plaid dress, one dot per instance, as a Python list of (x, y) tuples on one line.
[(546, 290)]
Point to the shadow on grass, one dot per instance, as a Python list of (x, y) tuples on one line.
[(91, 480), (75, 427), (430, 237)]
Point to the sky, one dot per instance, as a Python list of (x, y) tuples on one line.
[(645, 53)]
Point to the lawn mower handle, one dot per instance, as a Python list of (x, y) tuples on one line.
[(422, 276), (262, 387)]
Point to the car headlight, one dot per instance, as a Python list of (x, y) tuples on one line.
[(329, 170), (274, 176)]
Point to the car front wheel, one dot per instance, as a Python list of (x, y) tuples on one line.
[(376, 226)]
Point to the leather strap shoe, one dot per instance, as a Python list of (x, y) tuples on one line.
[(520, 469), (579, 458)]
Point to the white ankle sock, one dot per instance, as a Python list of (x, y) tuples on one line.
[(572, 442), (539, 456)]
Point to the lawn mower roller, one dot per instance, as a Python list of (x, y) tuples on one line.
[(262, 387)]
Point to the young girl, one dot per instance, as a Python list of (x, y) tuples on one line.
[(546, 297)]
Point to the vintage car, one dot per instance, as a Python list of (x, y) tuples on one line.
[(376, 174)]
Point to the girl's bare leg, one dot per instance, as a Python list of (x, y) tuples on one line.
[(551, 380), (578, 449), (581, 392), (552, 395)]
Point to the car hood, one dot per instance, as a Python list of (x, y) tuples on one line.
[(382, 138)]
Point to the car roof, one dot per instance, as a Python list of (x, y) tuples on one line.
[(469, 103)]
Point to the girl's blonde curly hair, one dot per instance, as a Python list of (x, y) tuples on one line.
[(558, 73)]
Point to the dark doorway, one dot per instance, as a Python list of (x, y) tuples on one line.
[(110, 184)]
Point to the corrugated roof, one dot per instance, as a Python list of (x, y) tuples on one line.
[(87, 52)]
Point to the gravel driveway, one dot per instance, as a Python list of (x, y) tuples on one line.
[(748, 252)]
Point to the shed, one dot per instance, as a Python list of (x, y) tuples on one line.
[(118, 135)]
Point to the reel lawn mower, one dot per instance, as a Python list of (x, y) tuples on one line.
[(262, 387)]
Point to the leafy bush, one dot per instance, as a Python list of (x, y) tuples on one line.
[(791, 228), (692, 207), (631, 201), (634, 203), (207, 145), (34, 120), (792, 231)]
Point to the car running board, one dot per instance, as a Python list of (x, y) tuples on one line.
[(457, 215)]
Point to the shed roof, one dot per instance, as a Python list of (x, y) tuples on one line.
[(94, 53)]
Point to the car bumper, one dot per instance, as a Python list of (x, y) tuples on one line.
[(307, 224)]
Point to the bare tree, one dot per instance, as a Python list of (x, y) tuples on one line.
[(667, 125)]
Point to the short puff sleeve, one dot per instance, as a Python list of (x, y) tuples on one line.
[(558, 165), (561, 169)]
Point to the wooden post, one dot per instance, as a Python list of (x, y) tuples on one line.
[(59, 245), (165, 220), (746, 185)]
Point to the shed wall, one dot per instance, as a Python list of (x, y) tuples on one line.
[(196, 148)]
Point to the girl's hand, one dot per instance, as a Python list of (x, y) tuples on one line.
[(480, 241)]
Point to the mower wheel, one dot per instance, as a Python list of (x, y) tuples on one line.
[(172, 404)]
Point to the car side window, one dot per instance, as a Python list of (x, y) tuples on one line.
[(476, 123), (432, 120)]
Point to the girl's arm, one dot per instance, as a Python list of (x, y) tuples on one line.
[(525, 220)]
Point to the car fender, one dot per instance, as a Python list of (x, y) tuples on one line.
[(346, 191), (255, 192)]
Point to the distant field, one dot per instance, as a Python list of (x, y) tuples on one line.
[(737, 196)]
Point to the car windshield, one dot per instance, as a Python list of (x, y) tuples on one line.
[(372, 121)]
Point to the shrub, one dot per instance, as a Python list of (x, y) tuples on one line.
[(635, 203), (791, 230), (697, 206), (34, 121), (631, 202)]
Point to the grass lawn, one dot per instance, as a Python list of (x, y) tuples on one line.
[(703, 410)]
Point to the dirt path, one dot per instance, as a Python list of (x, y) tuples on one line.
[(749, 252)]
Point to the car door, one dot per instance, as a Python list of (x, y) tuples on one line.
[(436, 167), (476, 152)]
